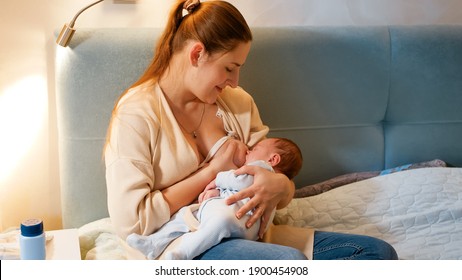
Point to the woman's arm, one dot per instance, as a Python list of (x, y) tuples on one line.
[(186, 191), (269, 191)]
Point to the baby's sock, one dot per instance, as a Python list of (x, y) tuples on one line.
[(146, 245), (153, 245)]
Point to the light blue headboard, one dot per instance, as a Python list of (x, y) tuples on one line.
[(353, 98)]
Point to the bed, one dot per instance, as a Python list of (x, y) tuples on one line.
[(376, 111)]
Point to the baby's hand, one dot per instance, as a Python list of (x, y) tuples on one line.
[(209, 192)]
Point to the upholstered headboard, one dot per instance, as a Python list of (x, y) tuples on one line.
[(353, 98)]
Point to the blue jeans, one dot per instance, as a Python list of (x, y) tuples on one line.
[(340, 246), (327, 245)]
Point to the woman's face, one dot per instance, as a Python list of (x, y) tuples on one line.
[(216, 71)]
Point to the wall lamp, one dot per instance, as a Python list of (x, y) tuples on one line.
[(68, 30)]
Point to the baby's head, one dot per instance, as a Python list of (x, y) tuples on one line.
[(282, 153)]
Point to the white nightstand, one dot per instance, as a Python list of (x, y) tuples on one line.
[(60, 245), (63, 244)]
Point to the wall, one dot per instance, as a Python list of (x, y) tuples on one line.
[(29, 177)]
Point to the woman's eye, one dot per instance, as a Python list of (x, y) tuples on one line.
[(229, 69)]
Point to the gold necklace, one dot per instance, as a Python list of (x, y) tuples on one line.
[(194, 132)]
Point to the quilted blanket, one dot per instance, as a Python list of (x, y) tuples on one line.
[(418, 211)]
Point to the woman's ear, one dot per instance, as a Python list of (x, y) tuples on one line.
[(196, 52), (274, 159)]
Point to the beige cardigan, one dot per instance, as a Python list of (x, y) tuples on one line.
[(148, 152)]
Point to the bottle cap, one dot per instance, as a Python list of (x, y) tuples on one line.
[(31, 227)]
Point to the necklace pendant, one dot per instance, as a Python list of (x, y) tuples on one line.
[(194, 134)]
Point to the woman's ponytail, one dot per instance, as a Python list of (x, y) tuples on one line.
[(164, 48)]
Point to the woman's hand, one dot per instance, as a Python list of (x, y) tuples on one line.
[(239, 153), (269, 191), (230, 156)]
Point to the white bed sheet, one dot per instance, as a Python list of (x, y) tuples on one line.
[(98, 241), (418, 211)]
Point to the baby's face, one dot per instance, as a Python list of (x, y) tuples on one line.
[(261, 151)]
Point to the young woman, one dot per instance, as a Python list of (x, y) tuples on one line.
[(184, 121)]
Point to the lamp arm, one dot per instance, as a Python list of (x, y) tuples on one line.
[(68, 30), (71, 24)]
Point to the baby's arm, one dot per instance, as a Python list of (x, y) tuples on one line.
[(209, 192)]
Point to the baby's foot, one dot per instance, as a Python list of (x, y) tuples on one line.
[(172, 256), (142, 243)]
